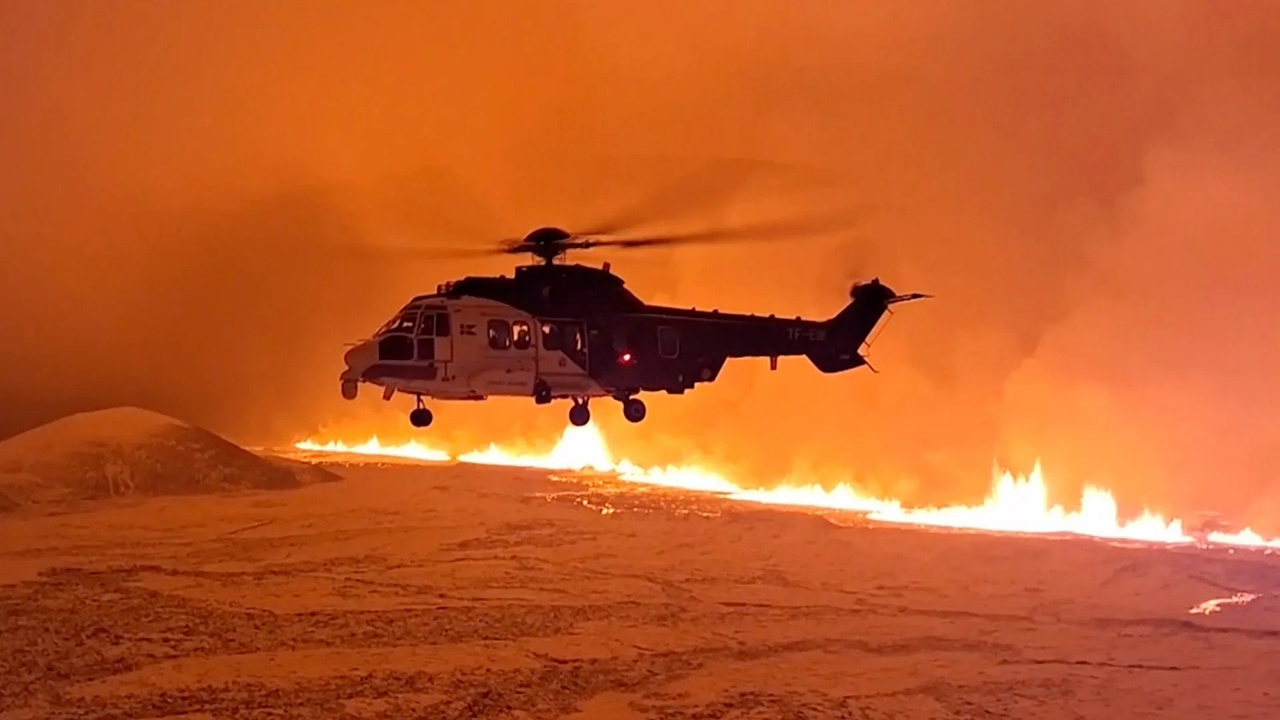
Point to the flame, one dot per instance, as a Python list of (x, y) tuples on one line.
[(411, 450), (580, 448), (1015, 504)]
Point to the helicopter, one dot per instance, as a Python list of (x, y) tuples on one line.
[(570, 331)]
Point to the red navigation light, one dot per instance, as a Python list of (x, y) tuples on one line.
[(625, 358)]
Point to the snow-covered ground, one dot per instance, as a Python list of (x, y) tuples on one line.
[(467, 591)]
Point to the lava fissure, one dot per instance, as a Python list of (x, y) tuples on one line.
[(1015, 504)]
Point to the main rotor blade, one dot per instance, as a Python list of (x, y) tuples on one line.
[(520, 247), (756, 232), (695, 193), (403, 253)]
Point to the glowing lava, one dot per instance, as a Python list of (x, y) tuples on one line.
[(1014, 505)]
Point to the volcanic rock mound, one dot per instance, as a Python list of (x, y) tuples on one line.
[(129, 451)]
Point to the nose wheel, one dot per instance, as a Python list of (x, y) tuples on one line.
[(633, 409), (420, 416), (579, 414)]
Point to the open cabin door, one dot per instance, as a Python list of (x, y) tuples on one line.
[(562, 350)]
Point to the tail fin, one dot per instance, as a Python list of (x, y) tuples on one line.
[(851, 327)]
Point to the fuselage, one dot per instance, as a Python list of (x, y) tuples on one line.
[(558, 331)]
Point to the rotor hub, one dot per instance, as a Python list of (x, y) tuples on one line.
[(546, 236), (545, 243)]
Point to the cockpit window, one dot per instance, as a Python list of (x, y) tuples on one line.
[(401, 324)]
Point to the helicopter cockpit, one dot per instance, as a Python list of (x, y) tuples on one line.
[(412, 333)]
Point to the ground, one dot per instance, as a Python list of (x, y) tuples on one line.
[(472, 592)]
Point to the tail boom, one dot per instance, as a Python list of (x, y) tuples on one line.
[(851, 327)]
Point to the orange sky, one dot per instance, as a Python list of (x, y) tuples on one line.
[(1088, 189)]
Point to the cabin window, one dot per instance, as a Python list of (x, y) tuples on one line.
[(442, 324), (668, 341), (499, 334), (571, 339), (521, 335), (427, 326), (550, 336)]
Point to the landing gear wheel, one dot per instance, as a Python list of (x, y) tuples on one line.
[(633, 409), (579, 414), (420, 416), (541, 392)]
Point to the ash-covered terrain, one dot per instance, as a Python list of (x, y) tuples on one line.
[(406, 591), (131, 452)]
